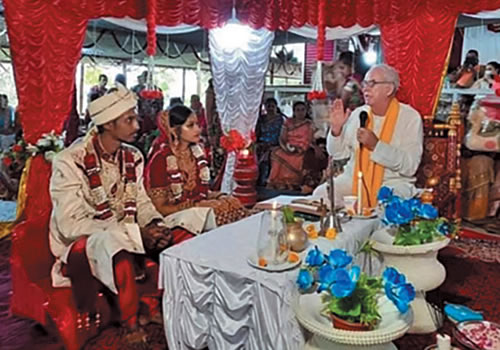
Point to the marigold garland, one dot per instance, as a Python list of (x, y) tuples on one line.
[(234, 141)]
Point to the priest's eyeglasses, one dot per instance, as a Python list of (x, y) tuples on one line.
[(371, 83)]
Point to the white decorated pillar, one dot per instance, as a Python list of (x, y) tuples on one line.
[(239, 57)]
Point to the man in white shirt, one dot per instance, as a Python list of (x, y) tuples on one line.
[(101, 213), (387, 150)]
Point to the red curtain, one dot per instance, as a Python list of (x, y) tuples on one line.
[(282, 14), (418, 47), (45, 44)]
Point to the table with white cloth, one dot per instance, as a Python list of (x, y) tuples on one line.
[(213, 297)]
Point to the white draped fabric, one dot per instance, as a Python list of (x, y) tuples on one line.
[(213, 297), (139, 25), (486, 14), (238, 76), (486, 42), (332, 33)]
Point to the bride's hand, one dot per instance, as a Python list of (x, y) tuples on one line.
[(338, 117)]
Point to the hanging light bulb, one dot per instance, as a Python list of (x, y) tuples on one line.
[(234, 35), (370, 56)]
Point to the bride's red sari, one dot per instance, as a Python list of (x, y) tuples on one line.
[(176, 181)]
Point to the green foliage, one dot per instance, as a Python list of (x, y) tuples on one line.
[(420, 232), (367, 248), (361, 306), (289, 215), (92, 73)]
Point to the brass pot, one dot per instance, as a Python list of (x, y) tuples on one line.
[(296, 236)]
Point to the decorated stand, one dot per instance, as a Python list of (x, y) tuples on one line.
[(345, 308)]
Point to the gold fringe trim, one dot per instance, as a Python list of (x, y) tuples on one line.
[(6, 227)]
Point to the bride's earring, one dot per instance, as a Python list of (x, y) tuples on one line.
[(175, 139)]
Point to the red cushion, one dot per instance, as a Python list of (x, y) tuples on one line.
[(30, 245)]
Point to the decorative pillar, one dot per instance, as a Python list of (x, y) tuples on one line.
[(239, 57)]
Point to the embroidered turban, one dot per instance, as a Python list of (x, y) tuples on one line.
[(112, 105)]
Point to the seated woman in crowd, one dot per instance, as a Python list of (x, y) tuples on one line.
[(486, 82), (287, 160), (268, 132), (177, 175)]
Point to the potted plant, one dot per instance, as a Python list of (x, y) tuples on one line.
[(410, 241), (349, 295), (297, 237), (411, 221)]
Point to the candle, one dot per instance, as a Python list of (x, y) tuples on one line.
[(244, 153), (443, 342), (274, 213), (360, 193)]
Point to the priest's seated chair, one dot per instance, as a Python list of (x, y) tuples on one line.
[(34, 297), (440, 166)]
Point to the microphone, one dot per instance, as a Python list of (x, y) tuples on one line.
[(363, 118)]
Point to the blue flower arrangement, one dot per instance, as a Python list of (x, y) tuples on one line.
[(349, 293), (416, 222)]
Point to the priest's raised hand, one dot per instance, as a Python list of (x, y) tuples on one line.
[(338, 117)]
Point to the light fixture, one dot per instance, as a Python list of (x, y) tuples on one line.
[(370, 56), (234, 35)]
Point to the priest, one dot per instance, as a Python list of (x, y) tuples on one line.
[(382, 139)]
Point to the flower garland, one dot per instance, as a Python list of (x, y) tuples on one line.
[(49, 145), (92, 170), (316, 95), (175, 174), (16, 154), (151, 92), (234, 141), (317, 92)]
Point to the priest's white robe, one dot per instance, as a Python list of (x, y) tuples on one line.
[(400, 158)]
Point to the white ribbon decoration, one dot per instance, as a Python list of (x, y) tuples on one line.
[(139, 25), (238, 77)]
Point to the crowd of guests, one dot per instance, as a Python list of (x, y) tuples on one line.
[(472, 74), (480, 165), (10, 132), (291, 154)]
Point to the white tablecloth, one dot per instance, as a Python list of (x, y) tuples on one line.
[(213, 297)]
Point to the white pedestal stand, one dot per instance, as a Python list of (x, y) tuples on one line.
[(319, 343), (393, 325), (420, 265)]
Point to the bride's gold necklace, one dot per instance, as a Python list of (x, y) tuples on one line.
[(184, 153), (187, 165)]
